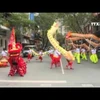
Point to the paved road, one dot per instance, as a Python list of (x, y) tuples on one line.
[(39, 74)]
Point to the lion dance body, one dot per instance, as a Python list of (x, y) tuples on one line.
[(17, 64)]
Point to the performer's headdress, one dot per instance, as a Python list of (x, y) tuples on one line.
[(14, 47)]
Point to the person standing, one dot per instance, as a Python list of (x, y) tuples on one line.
[(70, 64), (50, 52), (56, 58), (78, 55), (40, 56), (29, 57), (83, 54), (93, 56)]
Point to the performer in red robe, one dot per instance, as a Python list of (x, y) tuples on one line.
[(17, 63), (70, 64), (29, 57), (50, 53), (55, 57), (40, 56)]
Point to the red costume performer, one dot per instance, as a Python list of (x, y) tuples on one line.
[(17, 63), (56, 61), (55, 57), (29, 57), (70, 64), (40, 56)]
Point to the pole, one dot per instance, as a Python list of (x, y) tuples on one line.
[(62, 69)]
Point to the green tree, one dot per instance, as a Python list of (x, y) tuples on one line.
[(96, 18), (17, 20), (45, 20), (60, 38), (76, 21)]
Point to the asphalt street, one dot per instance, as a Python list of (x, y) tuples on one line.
[(39, 74)]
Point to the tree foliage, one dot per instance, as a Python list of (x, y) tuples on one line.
[(60, 38), (76, 21), (17, 20), (45, 20), (73, 21)]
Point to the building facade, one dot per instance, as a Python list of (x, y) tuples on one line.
[(4, 37), (32, 39)]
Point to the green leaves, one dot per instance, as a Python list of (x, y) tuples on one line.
[(20, 19), (45, 20), (76, 21)]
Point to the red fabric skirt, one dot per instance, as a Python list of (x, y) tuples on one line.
[(56, 59), (51, 56), (29, 56), (70, 63)]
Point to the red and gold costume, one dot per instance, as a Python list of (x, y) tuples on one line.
[(29, 57), (40, 56), (17, 64), (55, 58), (56, 61), (70, 64)]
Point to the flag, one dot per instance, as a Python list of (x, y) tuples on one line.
[(12, 37)]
